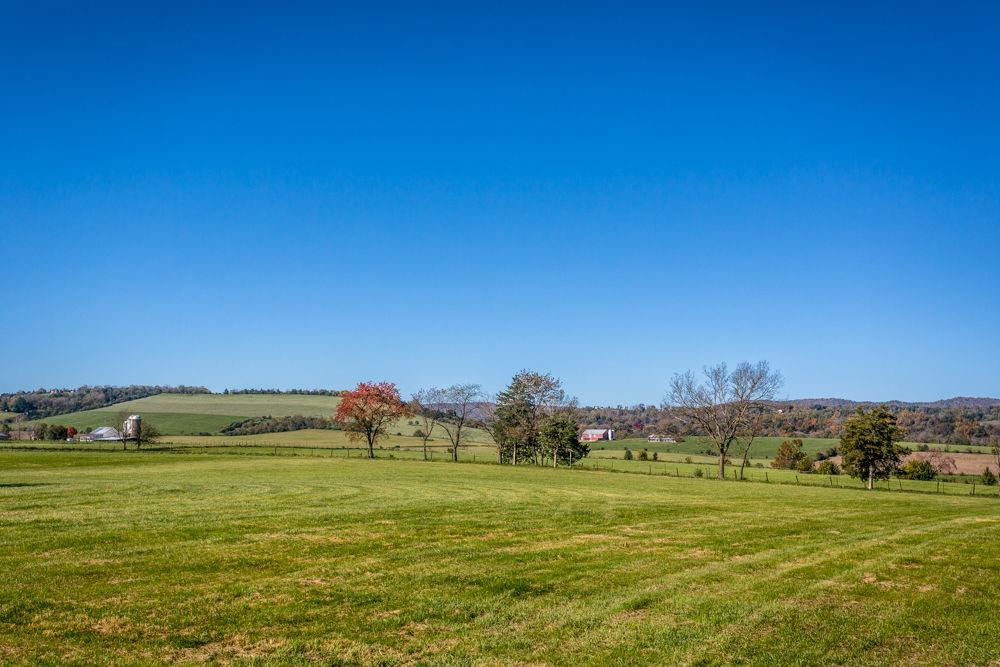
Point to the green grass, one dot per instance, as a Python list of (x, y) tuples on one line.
[(191, 414), (167, 422), (183, 414), (125, 558)]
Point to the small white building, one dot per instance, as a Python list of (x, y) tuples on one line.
[(660, 438)]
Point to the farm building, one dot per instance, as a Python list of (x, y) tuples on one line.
[(102, 433), (660, 438), (593, 434)]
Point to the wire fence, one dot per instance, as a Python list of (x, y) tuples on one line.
[(663, 467)]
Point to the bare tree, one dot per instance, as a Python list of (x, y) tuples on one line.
[(423, 405), (726, 406), (459, 404)]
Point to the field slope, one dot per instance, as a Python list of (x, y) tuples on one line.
[(124, 558), (179, 414)]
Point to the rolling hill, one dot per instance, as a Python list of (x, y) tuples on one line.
[(190, 414)]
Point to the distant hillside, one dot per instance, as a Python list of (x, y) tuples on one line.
[(192, 414), (40, 403), (965, 402)]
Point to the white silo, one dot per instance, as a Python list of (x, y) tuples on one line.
[(132, 428)]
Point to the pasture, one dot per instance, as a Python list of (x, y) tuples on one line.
[(138, 557), (176, 414)]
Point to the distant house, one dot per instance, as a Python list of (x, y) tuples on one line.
[(594, 434), (102, 433), (3, 436), (660, 438)]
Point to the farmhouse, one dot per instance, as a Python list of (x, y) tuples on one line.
[(594, 434), (660, 438)]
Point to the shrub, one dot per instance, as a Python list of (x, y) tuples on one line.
[(419, 433), (687, 459), (789, 455), (656, 457), (917, 469), (628, 454), (643, 455), (804, 464), (827, 467), (698, 472), (988, 478)]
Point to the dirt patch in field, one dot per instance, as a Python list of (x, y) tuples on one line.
[(965, 464)]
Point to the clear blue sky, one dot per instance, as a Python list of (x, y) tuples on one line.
[(307, 196)]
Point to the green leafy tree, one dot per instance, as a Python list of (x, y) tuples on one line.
[(519, 413), (560, 440), (988, 478), (869, 445)]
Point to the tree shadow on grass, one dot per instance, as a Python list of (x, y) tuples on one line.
[(16, 485)]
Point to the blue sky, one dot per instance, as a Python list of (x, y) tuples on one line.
[(309, 196)]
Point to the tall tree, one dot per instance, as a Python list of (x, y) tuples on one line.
[(519, 412), (869, 444), (368, 409), (726, 406)]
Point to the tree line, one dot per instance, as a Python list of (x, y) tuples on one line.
[(532, 421), (268, 424), (955, 425)]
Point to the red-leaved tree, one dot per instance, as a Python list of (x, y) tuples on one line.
[(368, 409)]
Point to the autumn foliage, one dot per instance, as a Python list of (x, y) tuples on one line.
[(368, 409)]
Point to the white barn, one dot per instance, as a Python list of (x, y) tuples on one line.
[(102, 433)]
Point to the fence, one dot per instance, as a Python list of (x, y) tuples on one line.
[(663, 467)]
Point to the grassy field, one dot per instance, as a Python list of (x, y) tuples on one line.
[(126, 557), (177, 414)]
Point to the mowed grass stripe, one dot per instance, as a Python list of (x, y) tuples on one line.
[(149, 557)]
